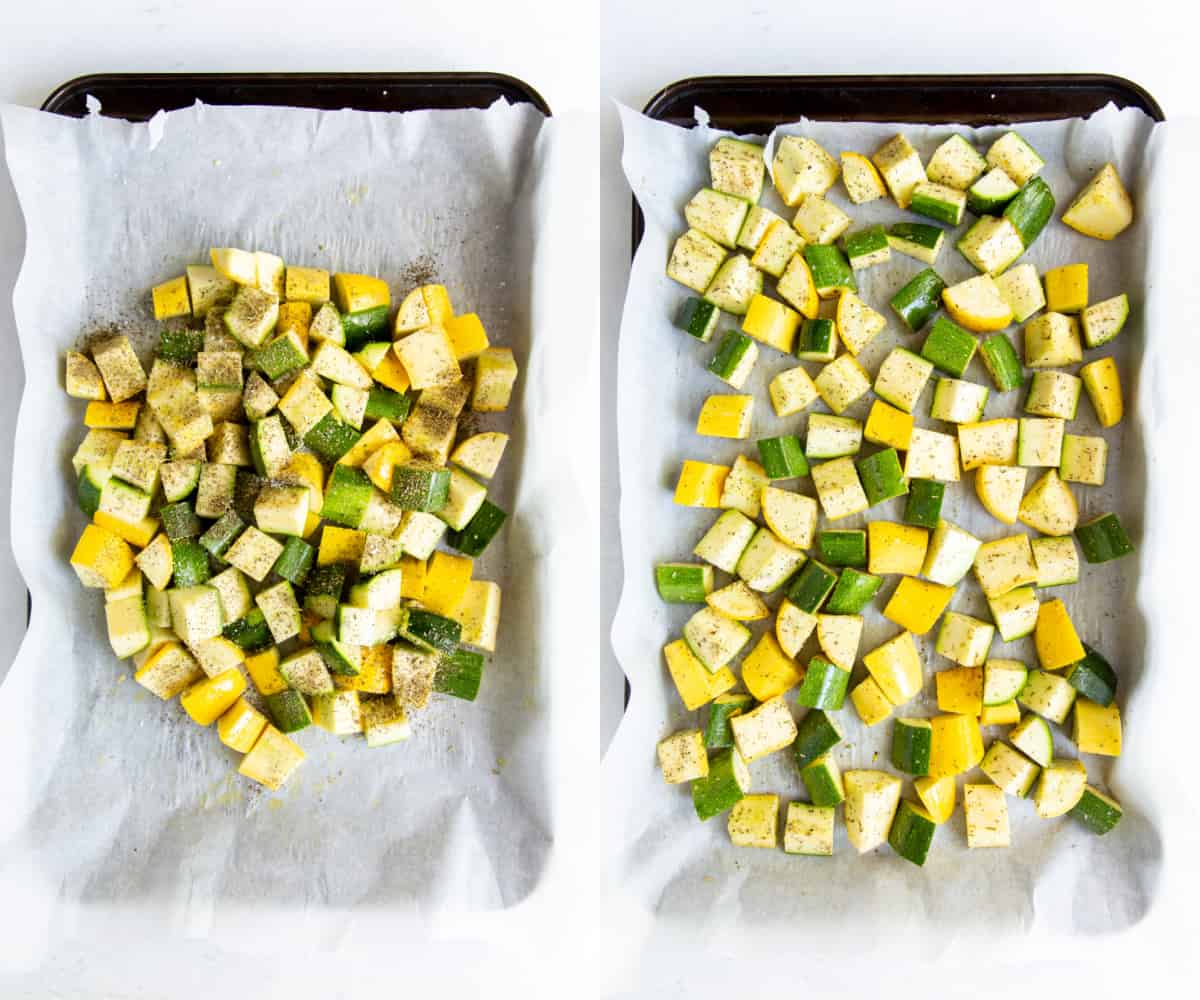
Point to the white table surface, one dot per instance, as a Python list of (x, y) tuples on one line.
[(579, 56)]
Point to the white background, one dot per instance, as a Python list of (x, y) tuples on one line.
[(563, 48)]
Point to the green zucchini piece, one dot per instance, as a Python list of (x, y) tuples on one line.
[(843, 548), (816, 734), (1102, 321), (295, 561), (288, 710), (459, 674), (331, 438), (87, 491), (912, 832), (1031, 210), (250, 632), (917, 301), (949, 347), (683, 583), (1000, 359), (723, 787), (924, 504), (347, 496), (179, 521), (281, 356), (323, 589), (824, 685), (782, 457), (831, 272), (991, 192), (867, 247), (477, 534), (912, 744), (364, 326), (191, 563), (810, 586), (431, 632), (420, 486), (732, 352), (1093, 677), (938, 202), (918, 240), (854, 591), (823, 779), (698, 318), (718, 734), (386, 404), (1103, 539), (251, 315), (882, 476), (817, 340), (340, 658), (222, 533), (180, 345), (246, 487), (1097, 811)]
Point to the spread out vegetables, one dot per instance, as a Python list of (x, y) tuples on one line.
[(996, 716), (285, 510)]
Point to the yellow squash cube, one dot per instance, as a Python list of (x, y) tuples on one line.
[(390, 372), (960, 690), (896, 548), (171, 298), (356, 292), (1055, 638), (139, 533), (1097, 728), (692, 679), (768, 671), (917, 604), (495, 374), (937, 796), (467, 336), (241, 726), (340, 545), (1007, 714), (209, 699), (112, 416), (700, 484), (381, 464), (272, 759), (446, 579), (888, 426), (754, 821), (870, 702), (1101, 380), (382, 432), (957, 745), (1067, 288), (1103, 209), (294, 317), (479, 614), (428, 357), (412, 584), (101, 558), (374, 672), (306, 284), (896, 667), (725, 416), (263, 669), (771, 323)]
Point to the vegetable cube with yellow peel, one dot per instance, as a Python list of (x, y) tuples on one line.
[(888, 426), (916, 604), (1103, 209), (101, 559), (306, 284), (495, 373), (294, 317), (700, 484), (1067, 288), (1055, 638), (207, 700), (896, 548), (241, 726), (169, 671), (446, 580), (236, 265), (682, 756), (839, 489), (957, 745), (381, 464), (937, 796), (870, 702), (479, 614), (171, 298), (82, 378), (696, 686), (423, 306), (467, 335), (771, 322), (272, 759), (754, 821), (1005, 714), (413, 577), (1101, 381), (862, 180), (896, 667), (137, 533), (767, 671), (263, 669), (391, 373), (356, 292), (900, 165), (725, 416), (767, 728), (112, 416), (1097, 728), (960, 690), (1005, 564), (381, 432), (374, 674), (340, 545)]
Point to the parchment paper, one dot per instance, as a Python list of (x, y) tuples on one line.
[(1057, 876), (116, 802)]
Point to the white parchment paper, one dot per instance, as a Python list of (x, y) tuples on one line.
[(116, 802), (1057, 877)]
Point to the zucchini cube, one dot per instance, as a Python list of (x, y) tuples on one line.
[(695, 260), (754, 821), (986, 812)]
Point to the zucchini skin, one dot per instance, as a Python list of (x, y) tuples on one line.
[(924, 506), (478, 533), (460, 674), (1000, 359), (1093, 677), (816, 734), (719, 791), (810, 586), (1031, 210), (1103, 539), (843, 548), (718, 734), (363, 327), (824, 685), (917, 301), (854, 591)]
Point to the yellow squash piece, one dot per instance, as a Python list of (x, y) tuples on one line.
[(771, 323), (896, 548), (1055, 638), (917, 604), (381, 432), (768, 671), (960, 690), (446, 579), (139, 533), (101, 558), (467, 336), (700, 484), (754, 821), (209, 699), (263, 669), (241, 726), (870, 702), (696, 686), (937, 795), (374, 672), (495, 375), (112, 416), (391, 373), (1103, 209), (1101, 380), (171, 298), (1097, 728), (356, 292), (307, 284), (957, 745), (725, 416), (381, 464), (169, 671), (294, 317), (1006, 714), (340, 545), (412, 584), (272, 760), (1067, 288), (896, 667), (888, 426)]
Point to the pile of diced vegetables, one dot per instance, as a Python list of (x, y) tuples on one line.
[(268, 503), (827, 575)]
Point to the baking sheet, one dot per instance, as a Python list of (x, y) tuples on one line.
[(116, 801), (1057, 877)]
